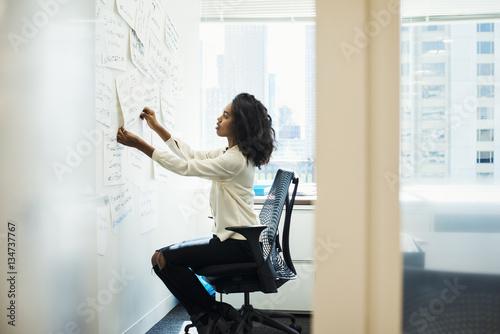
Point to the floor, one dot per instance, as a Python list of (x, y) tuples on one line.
[(175, 321)]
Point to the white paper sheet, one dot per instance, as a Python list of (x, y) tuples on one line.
[(112, 159), (143, 17), (168, 111), (104, 94), (116, 39), (121, 206), (171, 35), (131, 96), (160, 64), (128, 10), (156, 18), (138, 53)]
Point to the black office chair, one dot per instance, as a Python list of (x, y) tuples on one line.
[(273, 265)]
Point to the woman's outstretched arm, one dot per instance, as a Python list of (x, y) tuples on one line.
[(127, 138)]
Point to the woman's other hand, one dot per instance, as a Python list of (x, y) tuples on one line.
[(127, 138), (149, 116)]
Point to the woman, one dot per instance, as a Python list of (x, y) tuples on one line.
[(250, 141)]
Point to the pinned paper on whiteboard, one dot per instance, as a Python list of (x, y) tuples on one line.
[(121, 206), (113, 158), (156, 18), (142, 19), (138, 53), (128, 10), (113, 33), (131, 96), (104, 94), (171, 35)]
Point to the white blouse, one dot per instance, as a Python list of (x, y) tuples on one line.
[(231, 196)]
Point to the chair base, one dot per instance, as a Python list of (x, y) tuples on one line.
[(249, 315)]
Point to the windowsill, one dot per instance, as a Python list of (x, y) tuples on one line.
[(306, 195), (299, 200)]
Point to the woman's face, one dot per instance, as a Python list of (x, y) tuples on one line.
[(224, 127)]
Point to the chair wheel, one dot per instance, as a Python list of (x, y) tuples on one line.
[(296, 326)]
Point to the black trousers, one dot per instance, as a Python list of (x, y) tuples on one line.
[(180, 257)]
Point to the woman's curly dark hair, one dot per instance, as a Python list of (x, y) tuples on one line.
[(252, 129)]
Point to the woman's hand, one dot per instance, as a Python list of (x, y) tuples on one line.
[(127, 138), (149, 116)]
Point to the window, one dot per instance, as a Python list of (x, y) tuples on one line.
[(485, 69), (483, 27), (433, 157), (485, 91), (433, 28), (454, 120), (433, 135), (273, 60), (485, 47), (432, 47), (484, 157), (485, 113), (485, 135), (433, 69), (432, 114), (432, 92)]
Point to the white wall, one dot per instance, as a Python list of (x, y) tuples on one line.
[(47, 102)]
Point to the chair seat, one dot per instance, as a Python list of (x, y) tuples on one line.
[(227, 269)]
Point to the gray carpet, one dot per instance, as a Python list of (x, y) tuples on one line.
[(175, 320)]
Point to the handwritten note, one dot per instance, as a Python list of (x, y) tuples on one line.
[(112, 159), (143, 17), (121, 206), (138, 53), (128, 10), (160, 64), (171, 35), (176, 83), (104, 94), (156, 18), (149, 207), (168, 111), (131, 96), (116, 37), (103, 223), (137, 166), (152, 96)]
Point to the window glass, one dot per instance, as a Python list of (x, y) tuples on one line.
[(276, 63), (449, 180), (485, 47)]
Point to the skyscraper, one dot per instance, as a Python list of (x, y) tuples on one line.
[(449, 109)]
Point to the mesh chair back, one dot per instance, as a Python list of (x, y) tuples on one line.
[(270, 216)]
